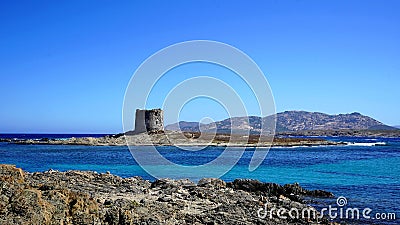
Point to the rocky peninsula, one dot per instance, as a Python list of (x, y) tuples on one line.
[(84, 197), (176, 138)]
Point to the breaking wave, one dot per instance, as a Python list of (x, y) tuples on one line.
[(366, 144)]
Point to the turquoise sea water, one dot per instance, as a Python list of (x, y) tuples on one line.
[(367, 175)]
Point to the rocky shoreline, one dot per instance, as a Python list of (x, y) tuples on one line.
[(84, 197), (174, 138), (344, 133)]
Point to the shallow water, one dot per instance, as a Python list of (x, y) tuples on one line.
[(367, 175)]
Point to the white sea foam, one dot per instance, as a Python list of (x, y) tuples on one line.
[(302, 146), (365, 143)]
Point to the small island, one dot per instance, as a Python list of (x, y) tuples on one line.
[(174, 138)]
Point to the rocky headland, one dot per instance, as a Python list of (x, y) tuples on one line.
[(84, 197), (176, 138)]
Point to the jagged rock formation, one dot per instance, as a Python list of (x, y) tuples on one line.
[(78, 197), (287, 121)]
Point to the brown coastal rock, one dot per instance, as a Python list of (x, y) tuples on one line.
[(85, 197)]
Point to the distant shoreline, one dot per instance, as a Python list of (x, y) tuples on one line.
[(343, 133), (175, 138)]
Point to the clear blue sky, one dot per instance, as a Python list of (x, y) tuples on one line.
[(64, 65)]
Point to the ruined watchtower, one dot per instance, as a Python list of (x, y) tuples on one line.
[(151, 121)]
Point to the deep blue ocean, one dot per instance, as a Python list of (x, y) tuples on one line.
[(366, 172)]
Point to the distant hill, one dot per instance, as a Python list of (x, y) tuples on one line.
[(185, 126), (287, 121), (301, 120)]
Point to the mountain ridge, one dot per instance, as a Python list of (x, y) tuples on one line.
[(295, 120)]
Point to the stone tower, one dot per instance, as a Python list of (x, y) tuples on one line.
[(151, 121)]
